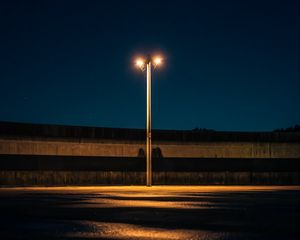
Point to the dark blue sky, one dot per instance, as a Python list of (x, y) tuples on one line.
[(230, 65)]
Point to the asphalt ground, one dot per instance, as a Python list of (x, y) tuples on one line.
[(159, 212)]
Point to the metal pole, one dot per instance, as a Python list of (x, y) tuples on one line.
[(149, 144)]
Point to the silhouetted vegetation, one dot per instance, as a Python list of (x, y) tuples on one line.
[(295, 128), (12, 129), (203, 130)]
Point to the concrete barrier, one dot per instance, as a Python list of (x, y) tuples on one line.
[(111, 148), (63, 155)]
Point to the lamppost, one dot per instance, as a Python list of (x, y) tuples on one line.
[(146, 64)]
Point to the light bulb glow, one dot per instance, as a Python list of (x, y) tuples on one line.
[(157, 61), (139, 63)]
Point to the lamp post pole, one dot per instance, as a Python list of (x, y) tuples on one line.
[(147, 63), (149, 143)]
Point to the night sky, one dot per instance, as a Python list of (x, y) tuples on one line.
[(229, 65)]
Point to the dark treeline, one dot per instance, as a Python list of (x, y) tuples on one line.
[(202, 130), (295, 128), (10, 129)]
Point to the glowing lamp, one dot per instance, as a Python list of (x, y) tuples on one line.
[(157, 60), (139, 63)]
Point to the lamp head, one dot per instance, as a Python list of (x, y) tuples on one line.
[(140, 63), (157, 60)]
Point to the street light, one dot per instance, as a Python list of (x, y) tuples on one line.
[(147, 63)]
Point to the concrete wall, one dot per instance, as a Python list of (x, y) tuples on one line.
[(63, 155), (168, 149)]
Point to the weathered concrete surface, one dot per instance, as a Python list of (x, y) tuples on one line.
[(168, 149), (198, 213), (33, 154), (65, 178)]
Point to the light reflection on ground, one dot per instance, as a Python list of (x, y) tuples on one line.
[(122, 200), (131, 231), (159, 212)]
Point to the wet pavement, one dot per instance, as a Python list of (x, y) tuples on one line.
[(160, 212)]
